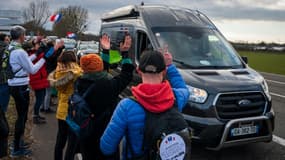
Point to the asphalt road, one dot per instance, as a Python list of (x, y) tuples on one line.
[(275, 150)]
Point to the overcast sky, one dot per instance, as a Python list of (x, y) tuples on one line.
[(238, 20)]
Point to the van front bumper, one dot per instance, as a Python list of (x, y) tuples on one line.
[(215, 134)]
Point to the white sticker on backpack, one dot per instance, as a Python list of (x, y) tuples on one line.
[(172, 147)]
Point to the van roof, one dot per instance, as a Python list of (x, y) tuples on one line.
[(160, 15)]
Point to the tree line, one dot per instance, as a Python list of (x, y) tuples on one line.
[(36, 15)]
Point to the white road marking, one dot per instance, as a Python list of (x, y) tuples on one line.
[(278, 95), (279, 140), (275, 81), (272, 74)]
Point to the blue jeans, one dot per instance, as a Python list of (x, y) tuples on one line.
[(47, 98), (4, 133), (40, 96), (4, 96)]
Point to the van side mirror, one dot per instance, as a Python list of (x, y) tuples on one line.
[(245, 59)]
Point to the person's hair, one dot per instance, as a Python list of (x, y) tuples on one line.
[(67, 57), (151, 62), (36, 41), (27, 46), (16, 32), (2, 36)]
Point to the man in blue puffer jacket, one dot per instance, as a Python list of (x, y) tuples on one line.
[(154, 93)]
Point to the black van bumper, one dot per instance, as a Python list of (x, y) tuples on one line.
[(216, 134)]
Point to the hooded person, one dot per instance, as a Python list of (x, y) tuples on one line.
[(51, 66), (63, 78), (104, 95), (155, 94)]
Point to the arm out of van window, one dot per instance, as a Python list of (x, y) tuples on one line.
[(178, 85)]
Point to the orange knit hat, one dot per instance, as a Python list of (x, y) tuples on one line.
[(91, 63)]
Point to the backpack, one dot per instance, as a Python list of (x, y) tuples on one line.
[(6, 68), (80, 117), (166, 136)]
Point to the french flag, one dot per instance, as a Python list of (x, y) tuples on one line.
[(55, 18), (70, 35)]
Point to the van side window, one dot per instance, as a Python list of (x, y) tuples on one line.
[(117, 35), (143, 43)]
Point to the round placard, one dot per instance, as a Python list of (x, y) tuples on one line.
[(172, 147)]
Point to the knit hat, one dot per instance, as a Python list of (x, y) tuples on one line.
[(91, 63), (152, 62)]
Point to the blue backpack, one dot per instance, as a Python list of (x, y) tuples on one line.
[(80, 118)]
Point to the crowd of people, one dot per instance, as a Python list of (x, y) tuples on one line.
[(44, 64)]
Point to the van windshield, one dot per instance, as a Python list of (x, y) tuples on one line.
[(197, 47)]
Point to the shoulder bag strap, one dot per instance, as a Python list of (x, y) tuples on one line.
[(88, 90), (8, 61)]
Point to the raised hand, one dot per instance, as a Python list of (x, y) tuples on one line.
[(126, 45), (167, 55), (168, 58), (56, 46), (105, 42)]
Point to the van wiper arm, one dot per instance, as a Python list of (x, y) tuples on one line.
[(215, 67), (181, 62)]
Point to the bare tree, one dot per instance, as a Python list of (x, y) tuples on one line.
[(37, 13), (74, 19)]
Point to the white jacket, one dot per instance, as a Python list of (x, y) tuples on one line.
[(22, 64)]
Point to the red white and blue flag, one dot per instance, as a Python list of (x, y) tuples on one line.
[(55, 18), (70, 35)]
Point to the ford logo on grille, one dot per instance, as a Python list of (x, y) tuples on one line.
[(244, 102)]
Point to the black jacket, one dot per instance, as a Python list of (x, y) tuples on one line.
[(52, 61), (102, 100), (104, 95)]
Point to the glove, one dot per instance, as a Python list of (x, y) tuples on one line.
[(49, 53)]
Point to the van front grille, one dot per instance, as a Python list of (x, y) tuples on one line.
[(240, 105)]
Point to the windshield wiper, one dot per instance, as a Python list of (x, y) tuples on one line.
[(182, 63), (216, 67), (206, 67)]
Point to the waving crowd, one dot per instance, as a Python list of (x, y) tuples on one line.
[(44, 64)]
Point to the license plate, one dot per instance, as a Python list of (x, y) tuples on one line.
[(244, 130)]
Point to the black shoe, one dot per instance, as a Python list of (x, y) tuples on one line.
[(38, 120), (23, 145), (49, 110), (42, 118), (42, 110)]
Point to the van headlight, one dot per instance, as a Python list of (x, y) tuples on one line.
[(265, 89), (197, 95)]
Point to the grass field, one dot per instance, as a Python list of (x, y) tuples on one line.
[(270, 62)]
